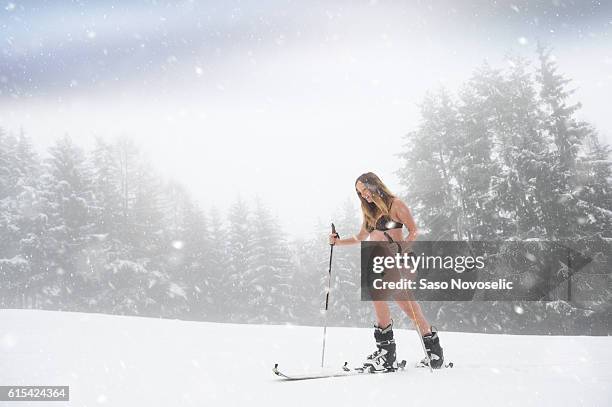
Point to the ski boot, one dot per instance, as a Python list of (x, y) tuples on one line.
[(383, 359), (435, 356)]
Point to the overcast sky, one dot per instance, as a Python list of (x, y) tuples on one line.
[(286, 100)]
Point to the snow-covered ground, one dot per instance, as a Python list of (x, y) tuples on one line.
[(129, 361)]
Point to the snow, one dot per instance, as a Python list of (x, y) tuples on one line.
[(132, 361), (175, 290), (14, 261)]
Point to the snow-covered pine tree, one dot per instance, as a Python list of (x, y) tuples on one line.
[(152, 245), (186, 234), (271, 262), (522, 152), (106, 179), (595, 190), (21, 218), (5, 164), (196, 243), (425, 173), (566, 136), (217, 267), (239, 273), (70, 226), (476, 169), (133, 280), (107, 245), (19, 174), (580, 164)]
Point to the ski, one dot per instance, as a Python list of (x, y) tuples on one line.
[(448, 365), (322, 374), (345, 371)]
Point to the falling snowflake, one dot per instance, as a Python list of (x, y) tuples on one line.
[(9, 341)]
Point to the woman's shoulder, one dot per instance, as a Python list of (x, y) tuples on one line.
[(397, 205), (396, 202)]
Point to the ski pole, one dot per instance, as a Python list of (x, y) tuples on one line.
[(331, 254)]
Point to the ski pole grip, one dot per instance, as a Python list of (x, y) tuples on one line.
[(390, 239), (334, 230)]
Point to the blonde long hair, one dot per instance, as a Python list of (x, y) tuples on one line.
[(381, 196)]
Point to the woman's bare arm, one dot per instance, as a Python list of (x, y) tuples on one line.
[(402, 213), (362, 235)]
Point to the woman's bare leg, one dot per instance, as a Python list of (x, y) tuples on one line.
[(413, 310), (383, 314)]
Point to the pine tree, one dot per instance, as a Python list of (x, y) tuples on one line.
[(68, 198), (5, 164), (107, 246), (131, 270), (106, 179), (272, 264), (476, 169), (426, 173), (19, 175), (595, 191), (21, 218), (567, 136), (186, 231), (522, 152), (217, 267), (240, 272)]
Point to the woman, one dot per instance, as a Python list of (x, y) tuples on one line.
[(384, 213)]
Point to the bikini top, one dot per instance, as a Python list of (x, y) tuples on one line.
[(385, 223)]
